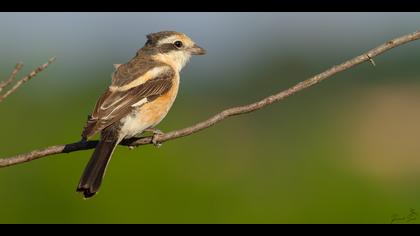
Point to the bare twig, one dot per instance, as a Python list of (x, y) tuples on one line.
[(12, 76), (23, 80), (222, 115)]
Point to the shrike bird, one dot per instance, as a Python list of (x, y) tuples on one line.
[(141, 94)]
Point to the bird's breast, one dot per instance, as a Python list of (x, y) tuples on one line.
[(151, 113)]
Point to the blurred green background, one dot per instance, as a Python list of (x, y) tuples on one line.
[(344, 151)]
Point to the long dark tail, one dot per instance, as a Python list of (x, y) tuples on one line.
[(94, 172)]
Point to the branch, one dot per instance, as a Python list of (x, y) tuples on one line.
[(222, 115), (12, 76), (25, 79)]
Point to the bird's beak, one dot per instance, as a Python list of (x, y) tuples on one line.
[(197, 50)]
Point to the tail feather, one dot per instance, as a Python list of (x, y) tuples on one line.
[(94, 172)]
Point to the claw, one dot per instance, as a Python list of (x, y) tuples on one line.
[(156, 143), (155, 133)]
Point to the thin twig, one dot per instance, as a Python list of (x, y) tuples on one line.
[(26, 78), (12, 76), (222, 115)]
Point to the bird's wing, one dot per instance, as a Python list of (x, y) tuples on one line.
[(119, 101), (132, 70)]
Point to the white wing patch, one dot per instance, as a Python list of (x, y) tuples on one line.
[(139, 103)]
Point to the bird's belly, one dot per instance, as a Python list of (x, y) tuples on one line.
[(148, 115)]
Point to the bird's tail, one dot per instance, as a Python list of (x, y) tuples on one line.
[(94, 171)]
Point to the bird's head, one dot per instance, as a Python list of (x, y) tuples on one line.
[(171, 47)]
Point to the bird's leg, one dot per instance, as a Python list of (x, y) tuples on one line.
[(155, 133)]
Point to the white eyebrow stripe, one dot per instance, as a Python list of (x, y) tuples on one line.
[(169, 39)]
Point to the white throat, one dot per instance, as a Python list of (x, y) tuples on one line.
[(177, 59)]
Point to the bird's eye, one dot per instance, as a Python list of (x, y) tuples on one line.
[(178, 44)]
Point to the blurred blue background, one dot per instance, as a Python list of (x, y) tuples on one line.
[(344, 151)]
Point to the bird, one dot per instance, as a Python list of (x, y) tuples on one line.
[(141, 93)]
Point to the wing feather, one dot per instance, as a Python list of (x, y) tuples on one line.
[(114, 105)]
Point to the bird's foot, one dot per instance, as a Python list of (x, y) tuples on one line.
[(155, 132)]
